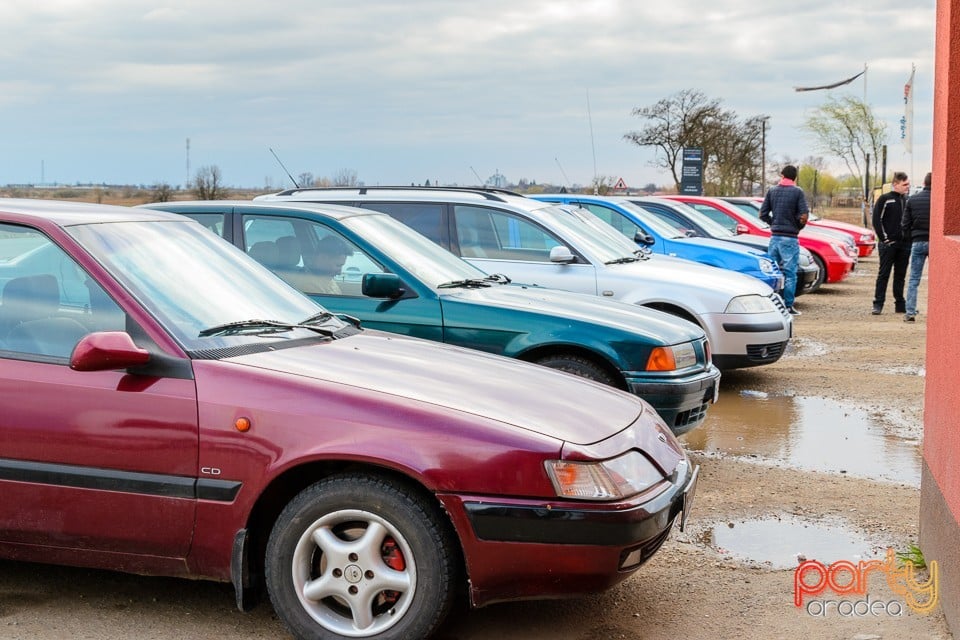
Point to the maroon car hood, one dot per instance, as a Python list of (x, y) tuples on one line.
[(516, 393)]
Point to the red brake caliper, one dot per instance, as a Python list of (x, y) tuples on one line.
[(393, 558)]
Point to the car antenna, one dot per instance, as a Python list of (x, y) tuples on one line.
[(480, 180), (568, 187), (285, 169)]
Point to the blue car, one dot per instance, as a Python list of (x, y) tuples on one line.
[(649, 231)]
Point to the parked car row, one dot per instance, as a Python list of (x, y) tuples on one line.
[(170, 406), (556, 246), (307, 394), (832, 256)]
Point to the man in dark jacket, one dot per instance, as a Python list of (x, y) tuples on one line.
[(785, 209), (894, 248), (915, 227)]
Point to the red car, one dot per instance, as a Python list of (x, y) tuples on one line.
[(831, 256), (864, 238), (168, 406)]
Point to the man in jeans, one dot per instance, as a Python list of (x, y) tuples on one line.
[(915, 227), (785, 209)]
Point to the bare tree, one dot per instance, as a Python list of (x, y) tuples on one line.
[(846, 128), (208, 184), (731, 146), (161, 192), (345, 178), (306, 179), (676, 122)]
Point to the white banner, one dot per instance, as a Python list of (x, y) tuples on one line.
[(906, 122)]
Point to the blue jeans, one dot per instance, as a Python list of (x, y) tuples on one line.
[(785, 251), (918, 257)]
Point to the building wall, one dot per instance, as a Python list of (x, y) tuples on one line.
[(940, 481)]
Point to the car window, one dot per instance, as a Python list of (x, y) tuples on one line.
[(676, 222), (311, 257), (212, 221), (716, 215), (615, 219), (491, 233), (47, 302), (424, 217)]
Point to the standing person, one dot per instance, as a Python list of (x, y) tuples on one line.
[(915, 228), (894, 248), (785, 209)]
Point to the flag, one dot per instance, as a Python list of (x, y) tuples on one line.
[(906, 122), (831, 86)]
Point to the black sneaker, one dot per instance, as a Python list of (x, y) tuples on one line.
[(794, 311), (901, 307), (877, 309), (909, 318)]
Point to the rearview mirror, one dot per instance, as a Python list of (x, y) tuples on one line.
[(561, 254), (382, 285), (742, 228), (642, 237), (106, 351)]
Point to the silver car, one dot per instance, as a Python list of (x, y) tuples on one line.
[(550, 245)]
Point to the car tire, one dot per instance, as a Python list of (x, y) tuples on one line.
[(578, 366), (822, 276), (358, 556)]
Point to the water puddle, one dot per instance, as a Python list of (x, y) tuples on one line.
[(807, 433), (782, 543)]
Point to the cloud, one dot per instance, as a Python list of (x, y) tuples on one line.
[(424, 88)]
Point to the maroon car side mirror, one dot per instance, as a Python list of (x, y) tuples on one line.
[(107, 350)]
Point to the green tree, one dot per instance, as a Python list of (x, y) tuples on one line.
[(846, 128)]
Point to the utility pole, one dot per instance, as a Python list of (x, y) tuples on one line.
[(186, 185), (763, 154)]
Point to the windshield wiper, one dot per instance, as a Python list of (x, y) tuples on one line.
[(230, 328), (268, 326), (470, 283), (623, 260), (498, 277)]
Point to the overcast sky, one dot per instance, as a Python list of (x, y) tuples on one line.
[(440, 90)]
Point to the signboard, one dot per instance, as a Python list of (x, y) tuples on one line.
[(691, 176)]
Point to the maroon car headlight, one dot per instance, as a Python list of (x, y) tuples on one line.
[(613, 479)]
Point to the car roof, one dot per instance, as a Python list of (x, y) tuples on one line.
[(64, 213), (469, 195), (334, 211)]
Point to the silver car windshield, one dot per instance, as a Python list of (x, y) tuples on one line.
[(191, 280), (588, 233), (416, 253)]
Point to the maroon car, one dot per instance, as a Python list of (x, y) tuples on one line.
[(168, 406)]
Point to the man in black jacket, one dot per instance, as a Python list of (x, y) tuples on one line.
[(894, 248), (915, 227)]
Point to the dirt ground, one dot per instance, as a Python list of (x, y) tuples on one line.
[(692, 588)]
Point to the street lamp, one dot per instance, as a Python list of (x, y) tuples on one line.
[(763, 154)]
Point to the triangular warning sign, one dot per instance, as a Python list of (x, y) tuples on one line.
[(621, 185)]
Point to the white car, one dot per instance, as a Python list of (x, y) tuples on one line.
[(551, 245)]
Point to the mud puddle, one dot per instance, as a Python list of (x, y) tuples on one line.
[(808, 433), (784, 542)]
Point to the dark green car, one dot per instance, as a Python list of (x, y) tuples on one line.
[(365, 264)]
